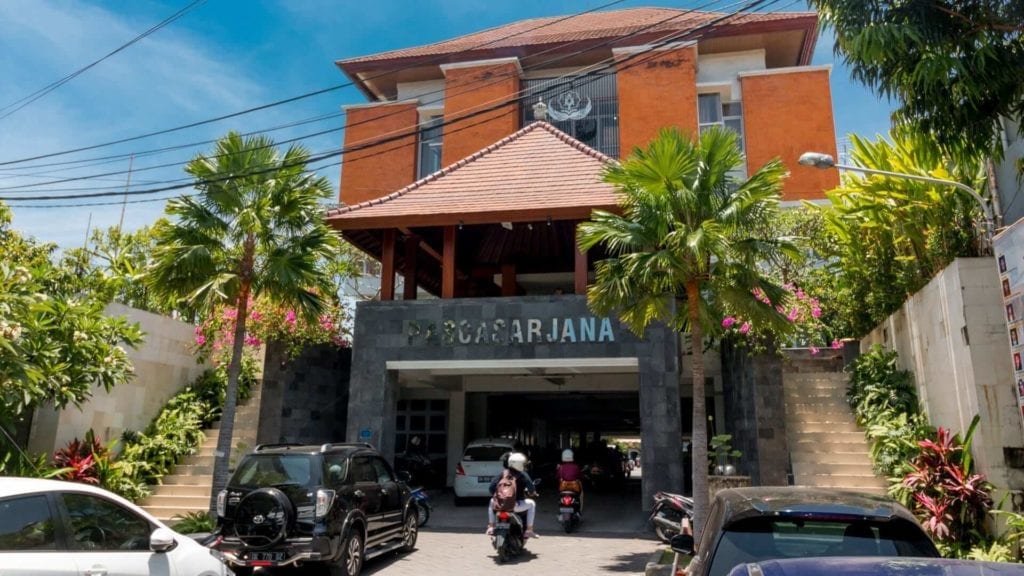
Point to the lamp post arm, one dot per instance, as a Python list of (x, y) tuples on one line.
[(974, 193)]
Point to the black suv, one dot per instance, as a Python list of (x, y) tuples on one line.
[(335, 504)]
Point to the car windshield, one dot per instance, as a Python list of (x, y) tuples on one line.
[(757, 539), (275, 470), (485, 453)]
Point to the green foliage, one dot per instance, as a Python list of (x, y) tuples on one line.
[(17, 463), (993, 551), (878, 389), (720, 451), (944, 62), (56, 344), (886, 238), (193, 522)]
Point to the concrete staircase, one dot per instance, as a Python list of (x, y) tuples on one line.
[(188, 488), (827, 449)]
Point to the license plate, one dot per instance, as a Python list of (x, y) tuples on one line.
[(484, 479), (566, 510), (501, 526), (266, 556)]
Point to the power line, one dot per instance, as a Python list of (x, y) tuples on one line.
[(400, 134), (27, 100), (467, 89), (279, 102)]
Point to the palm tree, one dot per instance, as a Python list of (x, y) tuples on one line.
[(255, 228), (682, 253)]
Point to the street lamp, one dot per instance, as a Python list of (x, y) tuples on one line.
[(823, 161)]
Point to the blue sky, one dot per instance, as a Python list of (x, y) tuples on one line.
[(222, 57)]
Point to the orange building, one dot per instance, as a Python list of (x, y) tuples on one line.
[(451, 182)]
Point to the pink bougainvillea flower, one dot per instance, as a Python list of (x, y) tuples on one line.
[(255, 315), (837, 344), (230, 313), (816, 312), (289, 317), (200, 339), (252, 341), (198, 330), (745, 328), (794, 313), (800, 294), (814, 350), (728, 321)]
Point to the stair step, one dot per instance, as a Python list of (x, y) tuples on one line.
[(193, 470), (173, 489), (803, 469), (163, 500), (834, 426), (841, 481), (856, 437), (827, 457), (183, 480)]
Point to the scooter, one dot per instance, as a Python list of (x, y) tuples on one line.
[(423, 507), (509, 530), (668, 513), (569, 507)]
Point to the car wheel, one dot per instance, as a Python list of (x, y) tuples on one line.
[(352, 556), (422, 514), (410, 532)]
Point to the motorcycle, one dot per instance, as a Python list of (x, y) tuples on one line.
[(569, 507), (423, 507), (508, 538), (668, 513)]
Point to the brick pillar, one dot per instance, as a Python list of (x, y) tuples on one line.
[(657, 92), (472, 87), (787, 113), (381, 168)]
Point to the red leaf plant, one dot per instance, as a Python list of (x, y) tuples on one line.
[(79, 457)]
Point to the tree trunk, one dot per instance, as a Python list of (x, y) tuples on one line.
[(222, 457), (699, 440)]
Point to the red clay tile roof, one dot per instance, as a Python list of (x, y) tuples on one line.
[(535, 173), (595, 25)]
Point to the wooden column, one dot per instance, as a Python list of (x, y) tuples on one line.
[(508, 279), (448, 264), (580, 273), (387, 262), (412, 244)]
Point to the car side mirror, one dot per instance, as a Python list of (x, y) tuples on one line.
[(404, 476), (682, 544), (161, 540)]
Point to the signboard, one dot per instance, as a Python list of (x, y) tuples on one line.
[(365, 435), (1009, 252)]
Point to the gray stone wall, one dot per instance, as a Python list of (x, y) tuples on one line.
[(755, 410), (431, 329), (305, 399)]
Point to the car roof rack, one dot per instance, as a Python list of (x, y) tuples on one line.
[(329, 445), (260, 447)]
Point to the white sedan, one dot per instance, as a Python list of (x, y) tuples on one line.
[(64, 528)]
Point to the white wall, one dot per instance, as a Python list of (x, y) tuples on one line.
[(429, 92), (722, 70), (164, 364), (952, 336)]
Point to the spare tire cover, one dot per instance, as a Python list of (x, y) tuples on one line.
[(263, 517)]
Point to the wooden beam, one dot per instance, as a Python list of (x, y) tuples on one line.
[(448, 264), (387, 261), (508, 280), (580, 272), (423, 245), (412, 244)]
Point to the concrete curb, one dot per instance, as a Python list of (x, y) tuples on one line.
[(655, 567)]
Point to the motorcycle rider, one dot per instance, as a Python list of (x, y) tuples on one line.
[(568, 475), (515, 463)]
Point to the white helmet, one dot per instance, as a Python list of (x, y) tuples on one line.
[(518, 461), (567, 455)]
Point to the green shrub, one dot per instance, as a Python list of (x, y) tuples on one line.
[(878, 388), (193, 522)]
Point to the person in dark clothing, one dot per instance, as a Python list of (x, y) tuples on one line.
[(516, 466)]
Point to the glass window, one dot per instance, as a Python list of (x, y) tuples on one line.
[(261, 470), (430, 139), (484, 453), (99, 524), (383, 472), (26, 524), (337, 468), (711, 111), (585, 107), (363, 471)]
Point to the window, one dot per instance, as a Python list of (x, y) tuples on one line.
[(383, 472), (713, 112), (99, 524), (362, 471), (275, 470), (585, 107), (26, 524), (430, 137)]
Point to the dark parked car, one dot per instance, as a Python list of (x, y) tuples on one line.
[(335, 504), (846, 566), (754, 524)]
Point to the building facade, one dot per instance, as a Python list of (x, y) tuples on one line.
[(467, 174)]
